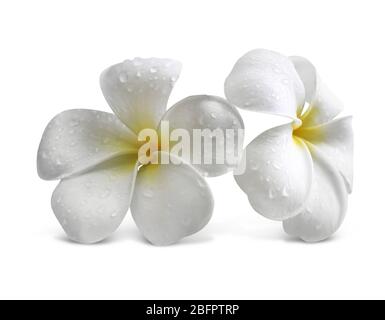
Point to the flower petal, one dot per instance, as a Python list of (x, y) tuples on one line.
[(266, 81), (323, 104), (170, 202), (326, 206), (76, 140), (217, 154), (138, 90), (91, 206), (335, 141), (278, 173)]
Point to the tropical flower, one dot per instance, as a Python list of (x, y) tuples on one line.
[(96, 156), (299, 173)]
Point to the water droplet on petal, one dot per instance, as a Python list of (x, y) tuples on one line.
[(74, 123), (153, 70), (254, 167), (114, 214), (88, 184), (284, 192), (148, 193), (123, 77), (106, 193)]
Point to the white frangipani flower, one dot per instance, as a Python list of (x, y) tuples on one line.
[(95, 154), (301, 172)]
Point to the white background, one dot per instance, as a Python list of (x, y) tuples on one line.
[(51, 54)]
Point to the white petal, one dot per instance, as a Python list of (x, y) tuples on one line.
[(209, 113), (278, 173), (266, 81), (76, 140), (308, 75), (326, 206), (138, 90), (170, 202), (323, 104), (335, 141), (91, 206)]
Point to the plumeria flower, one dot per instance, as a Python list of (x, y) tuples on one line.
[(299, 173), (96, 156)]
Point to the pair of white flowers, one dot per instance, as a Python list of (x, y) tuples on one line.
[(299, 173)]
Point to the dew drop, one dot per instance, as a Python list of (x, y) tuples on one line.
[(106, 193), (114, 214), (213, 115), (153, 70), (123, 77), (88, 184), (138, 74), (254, 167), (74, 123), (148, 193), (284, 192), (271, 194)]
